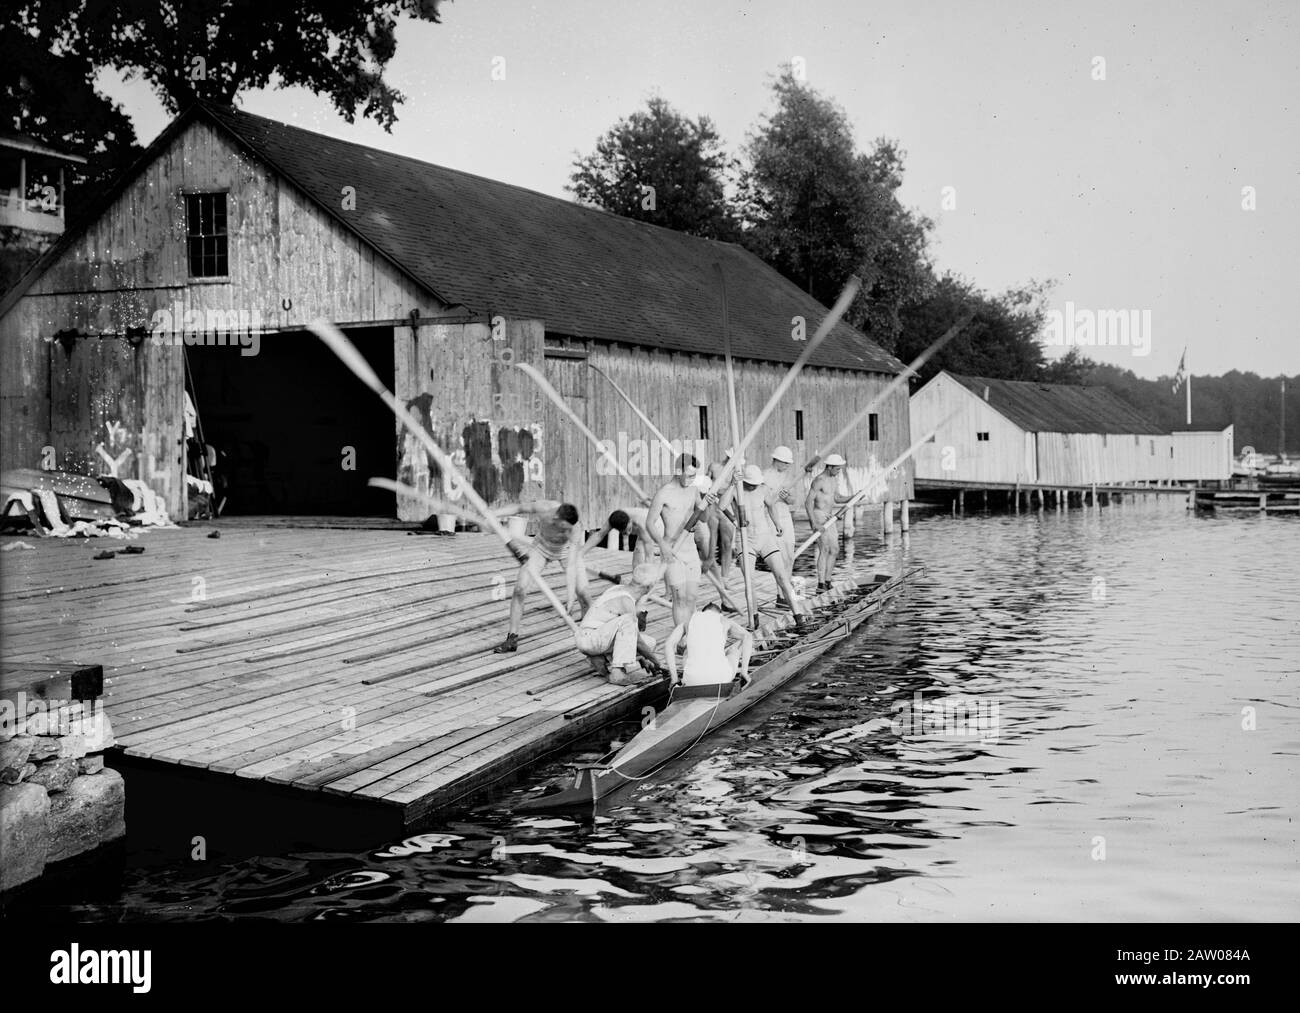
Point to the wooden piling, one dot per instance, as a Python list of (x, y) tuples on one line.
[(904, 516)]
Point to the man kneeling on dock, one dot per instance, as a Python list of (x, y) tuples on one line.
[(609, 631)]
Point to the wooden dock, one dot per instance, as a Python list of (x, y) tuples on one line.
[(354, 663)]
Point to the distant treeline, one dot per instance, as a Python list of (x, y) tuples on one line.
[(1246, 401)]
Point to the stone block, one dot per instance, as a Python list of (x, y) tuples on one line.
[(16, 752), (90, 812), (13, 775), (24, 833), (44, 749), (90, 764), (54, 775)]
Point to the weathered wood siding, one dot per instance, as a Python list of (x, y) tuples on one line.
[(459, 380), (670, 387), (289, 264), (957, 454)]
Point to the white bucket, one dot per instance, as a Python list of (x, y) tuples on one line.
[(517, 526), (447, 522)]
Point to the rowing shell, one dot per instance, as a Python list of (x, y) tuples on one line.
[(687, 719)]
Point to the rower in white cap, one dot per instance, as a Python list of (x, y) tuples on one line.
[(777, 484), (823, 498), (762, 533)]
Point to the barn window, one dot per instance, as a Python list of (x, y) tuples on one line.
[(798, 425), (205, 234), (873, 426), (1103, 439), (1153, 448), (704, 422), (982, 437), (1137, 441)]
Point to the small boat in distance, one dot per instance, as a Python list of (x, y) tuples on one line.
[(687, 719)]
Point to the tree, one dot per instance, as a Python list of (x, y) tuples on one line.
[(659, 166), (818, 210), (215, 49), (1001, 340)]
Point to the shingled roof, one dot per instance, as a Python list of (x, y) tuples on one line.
[(492, 247), (1058, 407)]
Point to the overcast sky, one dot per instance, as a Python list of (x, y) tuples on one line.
[(1127, 191)]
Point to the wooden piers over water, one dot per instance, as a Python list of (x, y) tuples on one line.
[(351, 662)]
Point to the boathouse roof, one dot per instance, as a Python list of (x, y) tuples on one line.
[(492, 247), (1058, 407)]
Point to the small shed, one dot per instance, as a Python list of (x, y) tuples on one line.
[(1010, 432)]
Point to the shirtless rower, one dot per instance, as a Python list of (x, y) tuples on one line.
[(633, 521), (776, 481), (823, 498), (558, 540), (763, 532), (676, 505)]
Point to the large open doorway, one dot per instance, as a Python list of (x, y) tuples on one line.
[(295, 432)]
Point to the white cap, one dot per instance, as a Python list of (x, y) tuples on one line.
[(783, 454), (753, 474), (835, 460)]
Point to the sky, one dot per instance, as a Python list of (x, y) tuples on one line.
[(1103, 146)]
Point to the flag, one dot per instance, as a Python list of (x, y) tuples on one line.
[(1181, 376)]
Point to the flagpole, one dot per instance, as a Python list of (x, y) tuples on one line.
[(1189, 399)]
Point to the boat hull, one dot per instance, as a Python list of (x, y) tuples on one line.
[(683, 723)]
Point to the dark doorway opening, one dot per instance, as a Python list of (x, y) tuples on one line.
[(294, 430)]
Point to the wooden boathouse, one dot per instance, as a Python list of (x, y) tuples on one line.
[(197, 273), (1012, 434)]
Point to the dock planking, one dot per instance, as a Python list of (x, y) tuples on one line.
[(343, 660)]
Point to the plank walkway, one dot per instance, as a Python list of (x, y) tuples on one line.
[(349, 661)]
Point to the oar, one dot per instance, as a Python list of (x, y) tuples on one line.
[(338, 343), (735, 432), (838, 310), (713, 577), (632, 404), (442, 506), (892, 386), (844, 507), (827, 325), (568, 412)]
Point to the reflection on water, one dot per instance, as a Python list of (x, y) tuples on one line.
[(1079, 716)]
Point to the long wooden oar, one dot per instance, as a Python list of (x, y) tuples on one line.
[(735, 433), (632, 404), (844, 507), (442, 506), (889, 388), (569, 413), (824, 328), (338, 343)]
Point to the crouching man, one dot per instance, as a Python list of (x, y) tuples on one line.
[(609, 633)]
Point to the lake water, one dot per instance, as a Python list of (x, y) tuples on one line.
[(1088, 715)]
